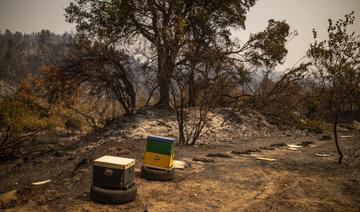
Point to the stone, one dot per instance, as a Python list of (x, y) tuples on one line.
[(204, 160), (267, 148), (278, 145), (245, 152), (322, 155), (219, 154), (305, 143)]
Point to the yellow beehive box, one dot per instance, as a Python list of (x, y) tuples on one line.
[(159, 161)]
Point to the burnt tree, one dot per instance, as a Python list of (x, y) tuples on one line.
[(167, 25)]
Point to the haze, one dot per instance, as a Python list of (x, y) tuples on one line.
[(302, 15)]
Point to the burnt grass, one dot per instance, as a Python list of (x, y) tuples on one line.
[(232, 179)]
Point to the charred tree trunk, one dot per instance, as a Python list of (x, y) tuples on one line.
[(336, 138), (124, 91), (164, 90), (166, 65), (125, 95)]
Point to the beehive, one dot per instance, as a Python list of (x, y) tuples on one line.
[(159, 152), (113, 172)]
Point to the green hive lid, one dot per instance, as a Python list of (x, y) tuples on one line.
[(160, 139), (165, 148), (113, 162)]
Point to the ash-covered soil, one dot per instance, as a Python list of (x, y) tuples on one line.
[(246, 164)]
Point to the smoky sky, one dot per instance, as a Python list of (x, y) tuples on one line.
[(302, 15), (34, 15)]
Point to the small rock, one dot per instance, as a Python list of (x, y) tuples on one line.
[(266, 159), (202, 159), (278, 145), (245, 152), (219, 154), (305, 143), (267, 148), (294, 146), (322, 155)]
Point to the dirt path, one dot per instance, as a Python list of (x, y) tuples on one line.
[(298, 180)]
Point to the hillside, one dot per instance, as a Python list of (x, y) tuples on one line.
[(230, 169)]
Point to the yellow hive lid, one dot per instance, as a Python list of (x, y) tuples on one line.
[(114, 162)]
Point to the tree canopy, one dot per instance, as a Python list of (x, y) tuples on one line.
[(336, 63), (168, 25)]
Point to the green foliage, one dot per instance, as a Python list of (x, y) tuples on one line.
[(19, 123), (155, 20), (19, 117), (268, 47), (336, 64)]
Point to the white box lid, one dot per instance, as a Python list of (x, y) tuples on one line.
[(114, 162)]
